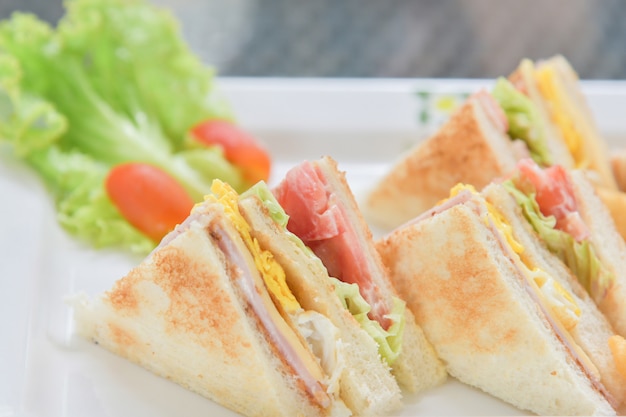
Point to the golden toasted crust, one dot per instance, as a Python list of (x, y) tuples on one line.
[(178, 315), (473, 305), (458, 278), (181, 278), (465, 149)]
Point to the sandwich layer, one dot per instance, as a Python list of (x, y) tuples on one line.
[(417, 367), (366, 384), (179, 315), (325, 215), (471, 147), (523, 78), (609, 246), (575, 225), (477, 309), (558, 84), (592, 331)]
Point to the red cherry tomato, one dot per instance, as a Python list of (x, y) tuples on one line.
[(148, 197), (555, 196), (554, 192), (240, 148)]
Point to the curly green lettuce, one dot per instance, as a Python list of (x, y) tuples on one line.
[(114, 82), (580, 257), (389, 341), (524, 120)]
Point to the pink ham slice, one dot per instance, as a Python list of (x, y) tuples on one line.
[(545, 309), (242, 277), (318, 217), (465, 197), (493, 110)]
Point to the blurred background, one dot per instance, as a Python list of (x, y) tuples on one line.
[(392, 38)]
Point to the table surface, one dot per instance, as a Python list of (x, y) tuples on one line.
[(393, 38)]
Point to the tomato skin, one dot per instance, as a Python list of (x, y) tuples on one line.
[(240, 148), (555, 197), (148, 198), (554, 191)]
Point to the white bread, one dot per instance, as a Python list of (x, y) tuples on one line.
[(417, 367), (177, 315), (367, 386), (593, 329), (609, 246), (472, 303), (467, 148)]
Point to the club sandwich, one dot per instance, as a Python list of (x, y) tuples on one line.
[(502, 311), (538, 112), (324, 214), (263, 333)]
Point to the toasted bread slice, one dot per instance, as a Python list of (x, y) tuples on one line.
[(475, 307), (366, 384), (609, 246), (468, 148), (179, 315), (417, 368), (593, 330)]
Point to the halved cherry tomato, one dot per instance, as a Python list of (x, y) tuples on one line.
[(148, 197), (240, 148)]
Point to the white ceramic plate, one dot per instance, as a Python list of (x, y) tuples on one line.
[(45, 370)]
